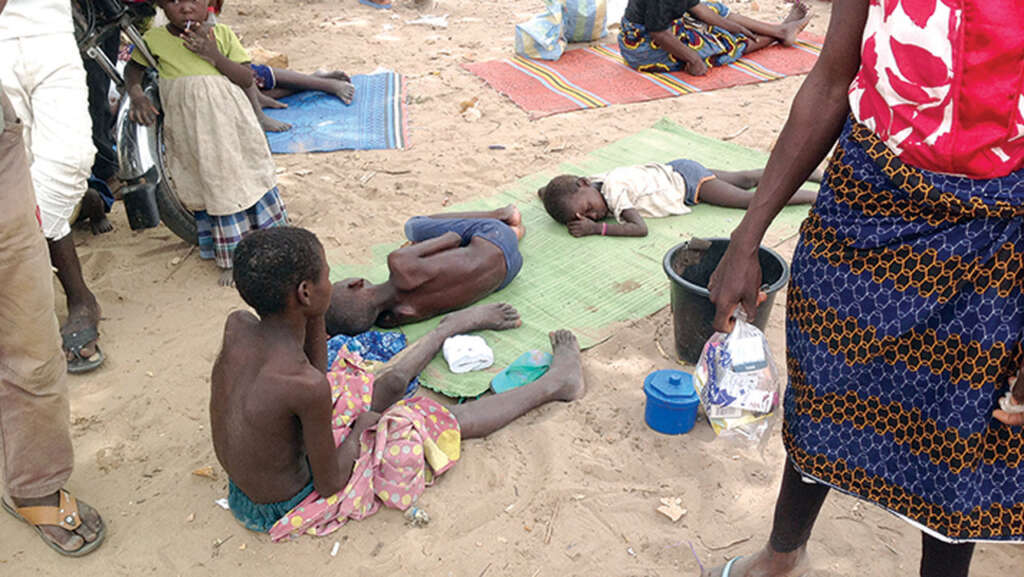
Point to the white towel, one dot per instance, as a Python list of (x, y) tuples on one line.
[(466, 353)]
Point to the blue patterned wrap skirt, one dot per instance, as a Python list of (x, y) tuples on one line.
[(904, 322)]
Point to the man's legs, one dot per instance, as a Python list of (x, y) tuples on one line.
[(60, 142), (35, 441), (562, 382), (796, 510)]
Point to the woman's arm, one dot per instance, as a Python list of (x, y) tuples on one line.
[(200, 39), (634, 226), (815, 121), (683, 53)]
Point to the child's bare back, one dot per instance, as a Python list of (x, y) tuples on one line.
[(256, 385)]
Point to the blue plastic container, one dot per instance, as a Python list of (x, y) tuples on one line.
[(671, 401)]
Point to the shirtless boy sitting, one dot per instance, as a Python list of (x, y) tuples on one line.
[(287, 433), (455, 260)]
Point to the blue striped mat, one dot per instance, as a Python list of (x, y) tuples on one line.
[(320, 122)]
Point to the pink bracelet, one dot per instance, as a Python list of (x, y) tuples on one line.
[(604, 228)]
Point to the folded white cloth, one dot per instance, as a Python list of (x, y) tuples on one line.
[(466, 353)]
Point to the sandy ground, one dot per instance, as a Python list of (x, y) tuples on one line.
[(568, 490)]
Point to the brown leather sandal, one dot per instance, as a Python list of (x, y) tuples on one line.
[(65, 516)]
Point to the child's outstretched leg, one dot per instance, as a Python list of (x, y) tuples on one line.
[(562, 382), (266, 123), (392, 379), (334, 82)]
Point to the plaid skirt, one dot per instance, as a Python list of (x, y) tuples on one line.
[(220, 234), (904, 322)]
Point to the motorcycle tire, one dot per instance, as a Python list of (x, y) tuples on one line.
[(174, 215)]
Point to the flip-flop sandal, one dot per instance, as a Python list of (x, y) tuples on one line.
[(74, 342), (728, 566), (376, 5), (65, 516)]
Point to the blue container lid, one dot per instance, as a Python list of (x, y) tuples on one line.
[(671, 387)]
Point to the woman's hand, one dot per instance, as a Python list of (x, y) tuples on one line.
[(199, 39), (142, 110), (1013, 419), (582, 226), (696, 67), (736, 282)]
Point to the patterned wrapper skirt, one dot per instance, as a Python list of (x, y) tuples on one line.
[(904, 321), (715, 46)]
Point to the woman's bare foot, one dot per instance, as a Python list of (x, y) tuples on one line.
[(766, 563), (797, 19), (69, 541), (511, 216), (566, 369), (268, 102), (269, 124), (495, 317), (227, 278)]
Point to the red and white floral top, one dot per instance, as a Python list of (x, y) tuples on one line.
[(942, 82)]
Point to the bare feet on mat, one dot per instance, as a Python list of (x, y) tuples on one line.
[(797, 19), (333, 74), (510, 215), (495, 317), (566, 369), (268, 102), (269, 124)]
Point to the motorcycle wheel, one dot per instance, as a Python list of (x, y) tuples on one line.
[(174, 215)]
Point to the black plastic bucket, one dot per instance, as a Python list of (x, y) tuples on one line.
[(692, 311), (140, 205)]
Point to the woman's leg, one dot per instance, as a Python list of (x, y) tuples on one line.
[(796, 510), (562, 382), (785, 32), (941, 559)]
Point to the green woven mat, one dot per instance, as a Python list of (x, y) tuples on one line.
[(587, 284)]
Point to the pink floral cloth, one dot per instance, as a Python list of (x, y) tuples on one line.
[(414, 441), (942, 83)]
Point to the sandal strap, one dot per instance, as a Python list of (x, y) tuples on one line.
[(64, 515)]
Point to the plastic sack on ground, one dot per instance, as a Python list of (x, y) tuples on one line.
[(738, 381), (584, 20), (541, 36)]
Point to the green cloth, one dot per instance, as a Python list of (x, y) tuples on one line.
[(529, 367), (174, 60), (591, 283)]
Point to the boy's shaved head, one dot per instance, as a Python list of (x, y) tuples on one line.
[(353, 310), (270, 263), (557, 195)]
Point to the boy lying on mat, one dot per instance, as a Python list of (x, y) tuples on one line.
[(454, 260), (306, 447), (669, 35), (654, 190)]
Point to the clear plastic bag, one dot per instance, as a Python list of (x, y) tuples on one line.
[(738, 381)]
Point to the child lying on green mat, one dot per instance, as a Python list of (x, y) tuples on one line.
[(630, 193)]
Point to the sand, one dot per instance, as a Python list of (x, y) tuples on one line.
[(567, 490)]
